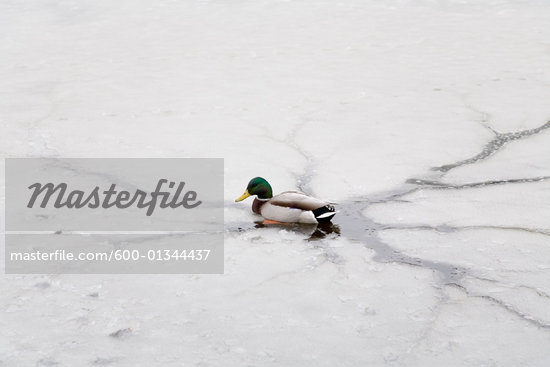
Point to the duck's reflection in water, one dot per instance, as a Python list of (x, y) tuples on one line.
[(314, 231)]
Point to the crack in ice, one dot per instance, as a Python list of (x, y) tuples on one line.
[(494, 146), (504, 305), (429, 184), (444, 228)]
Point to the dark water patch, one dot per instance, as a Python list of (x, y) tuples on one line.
[(314, 232), (350, 223), (359, 228)]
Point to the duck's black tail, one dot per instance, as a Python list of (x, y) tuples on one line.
[(324, 214)]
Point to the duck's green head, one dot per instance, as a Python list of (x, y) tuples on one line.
[(257, 186)]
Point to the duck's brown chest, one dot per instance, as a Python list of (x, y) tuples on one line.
[(257, 205)]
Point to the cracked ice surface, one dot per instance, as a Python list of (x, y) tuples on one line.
[(345, 100)]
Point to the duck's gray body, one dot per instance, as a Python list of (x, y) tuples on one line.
[(294, 207)]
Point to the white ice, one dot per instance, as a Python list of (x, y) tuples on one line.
[(346, 100)]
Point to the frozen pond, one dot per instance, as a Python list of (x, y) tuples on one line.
[(427, 123)]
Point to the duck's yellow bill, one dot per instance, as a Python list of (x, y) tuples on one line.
[(243, 196)]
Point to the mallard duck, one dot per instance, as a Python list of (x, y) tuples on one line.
[(288, 207)]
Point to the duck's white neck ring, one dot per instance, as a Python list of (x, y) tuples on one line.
[(257, 198)]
